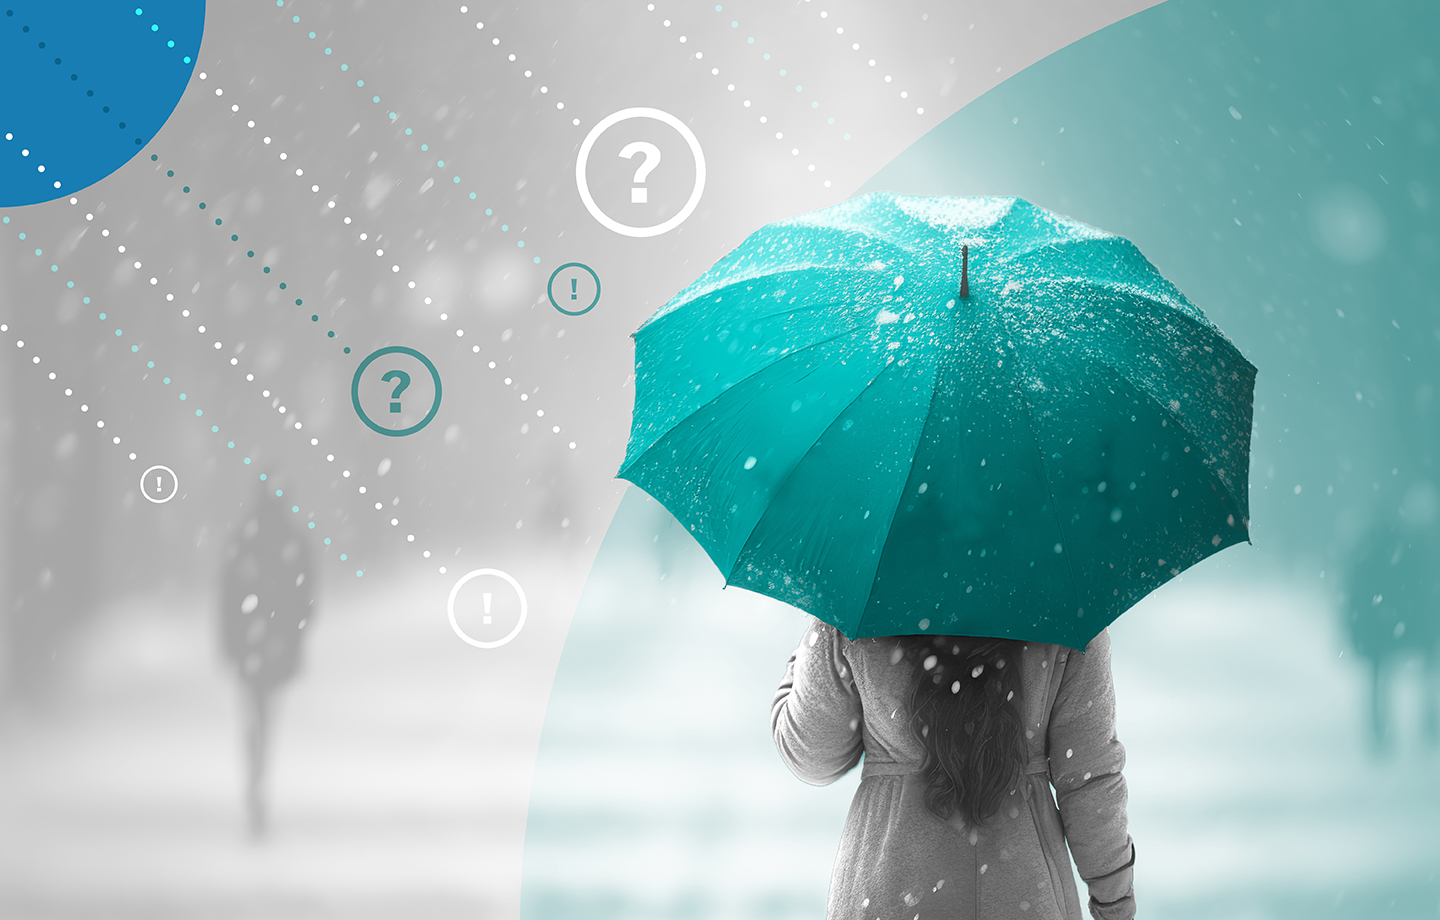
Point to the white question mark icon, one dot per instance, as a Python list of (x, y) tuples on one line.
[(639, 194)]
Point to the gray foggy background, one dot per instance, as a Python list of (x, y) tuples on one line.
[(398, 758)]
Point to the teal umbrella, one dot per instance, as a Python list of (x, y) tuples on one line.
[(946, 415)]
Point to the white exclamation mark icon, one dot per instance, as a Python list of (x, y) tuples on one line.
[(157, 484), (486, 620)]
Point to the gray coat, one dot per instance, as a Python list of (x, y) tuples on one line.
[(897, 860)]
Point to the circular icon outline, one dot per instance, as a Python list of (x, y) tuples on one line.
[(355, 390), (146, 493), (455, 592), (550, 289), (583, 186)]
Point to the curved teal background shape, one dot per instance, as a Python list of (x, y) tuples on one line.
[(1277, 161), (86, 87)]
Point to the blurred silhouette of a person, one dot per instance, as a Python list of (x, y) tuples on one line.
[(1392, 611), (266, 606)]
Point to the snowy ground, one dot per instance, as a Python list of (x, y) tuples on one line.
[(404, 762)]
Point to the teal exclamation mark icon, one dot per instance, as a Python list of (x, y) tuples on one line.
[(573, 295)]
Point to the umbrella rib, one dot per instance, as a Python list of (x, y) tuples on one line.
[(781, 485), (758, 370), (1179, 423), (1045, 474)]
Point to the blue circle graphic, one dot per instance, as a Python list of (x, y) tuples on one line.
[(99, 84)]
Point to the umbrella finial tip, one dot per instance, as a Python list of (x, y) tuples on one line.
[(964, 271)]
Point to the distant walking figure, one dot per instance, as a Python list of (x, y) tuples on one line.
[(266, 605), (1392, 611), (962, 739)]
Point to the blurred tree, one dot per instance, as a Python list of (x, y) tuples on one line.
[(1392, 610), (266, 602)]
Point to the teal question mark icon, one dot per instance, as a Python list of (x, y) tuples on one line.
[(404, 381)]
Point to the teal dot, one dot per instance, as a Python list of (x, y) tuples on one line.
[(199, 412), (22, 236), (214, 429), (166, 381), (282, 285), (359, 82), (717, 9), (56, 268), (154, 27), (440, 163), (186, 189), (267, 269), (279, 492), (331, 334), (37, 252), (231, 445), (347, 349), (798, 87), (504, 228), (263, 477), (537, 260), (311, 525), (187, 59), (327, 541), (202, 205), (359, 573), (375, 99), (247, 461), (423, 147), (170, 44), (118, 333), (217, 221), (295, 19), (150, 364), (134, 348), (488, 212), (767, 56), (279, 2), (315, 318), (344, 66), (234, 238), (327, 50), (170, 173), (102, 315), (343, 557), (734, 25), (832, 121), (182, 395), (69, 284), (847, 137), (457, 180), (814, 105), (393, 116), (521, 244), (297, 301), (750, 40), (407, 131), (86, 300), (312, 34), (138, 11), (294, 509), (472, 196)]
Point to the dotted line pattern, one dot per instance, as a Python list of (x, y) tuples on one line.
[(184, 397)]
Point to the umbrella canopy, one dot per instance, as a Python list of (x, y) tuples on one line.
[(840, 429)]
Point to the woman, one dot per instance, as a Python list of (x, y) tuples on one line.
[(962, 738)]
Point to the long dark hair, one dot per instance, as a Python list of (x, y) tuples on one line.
[(965, 711)]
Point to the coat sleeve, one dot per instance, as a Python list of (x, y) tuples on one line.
[(816, 716), (1086, 759)]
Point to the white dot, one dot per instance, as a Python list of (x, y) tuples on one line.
[(332, 204), (35, 360), (443, 316), (299, 172), (394, 268), (410, 538), (200, 329), (747, 103), (459, 333), (132, 456), (347, 220), (251, 124), (154, 280), (731, 87), (346, 474), (330, 457), (250, 377), (235, 108), (314, 188), (267, 140), (104, 232), (202, 74), (234, 361), (217, 346), (100, 424), (74, 200), (920, 111), (169, 296), (475, 349), (265, 393), (412, 285), (115, 440), (394, 522), (544, 89), (572, 445), (120, 249), (284, 155), (219, 91), (89, 216), (855, 47)]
